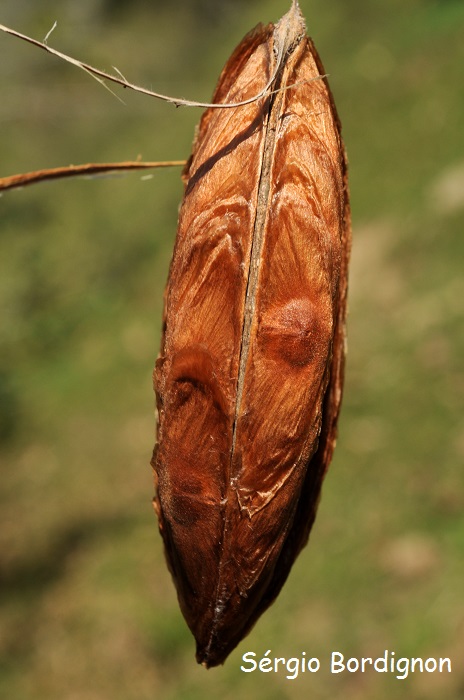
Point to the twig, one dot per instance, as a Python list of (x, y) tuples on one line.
[(101, 75), (15, 181), (50, 32)]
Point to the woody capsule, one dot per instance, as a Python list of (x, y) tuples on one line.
[(249, 377)]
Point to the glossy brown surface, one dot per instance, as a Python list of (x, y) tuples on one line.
[(249, 377)]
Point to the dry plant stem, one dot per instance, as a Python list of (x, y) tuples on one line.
[(16, 181), (101, 75)]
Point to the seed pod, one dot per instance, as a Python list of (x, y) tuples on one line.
[(249, 378)]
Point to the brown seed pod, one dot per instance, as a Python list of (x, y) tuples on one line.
[(249, 378)]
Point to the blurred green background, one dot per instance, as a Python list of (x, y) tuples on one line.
[(88, 610)]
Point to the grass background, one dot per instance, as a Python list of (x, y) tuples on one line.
[(87, 608)]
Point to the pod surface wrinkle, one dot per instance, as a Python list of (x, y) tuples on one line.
[(250, 373)]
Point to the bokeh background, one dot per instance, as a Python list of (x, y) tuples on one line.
[(87, 607)]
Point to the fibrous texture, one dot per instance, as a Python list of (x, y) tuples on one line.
[(249, 378)]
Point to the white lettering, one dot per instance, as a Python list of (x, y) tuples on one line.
[(265, 662), (247, 659), (352, 665), (402, 666), (447, 662), (295, 668), (364, 662), (337, 663), (314, 665), (381, 660), (387, 663)]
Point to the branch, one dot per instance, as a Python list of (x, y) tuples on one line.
[(14, 181), (101, 76)]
